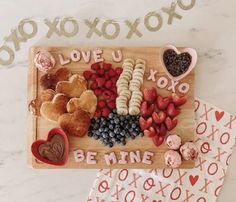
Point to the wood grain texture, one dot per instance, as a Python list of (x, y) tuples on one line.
[(38, 127)]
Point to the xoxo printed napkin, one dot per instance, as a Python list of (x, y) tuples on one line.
[(215, 137)]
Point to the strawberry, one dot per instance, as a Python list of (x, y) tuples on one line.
[(111, 72), (179, 100), (107, 94), (101, 72), (95, 66), (150, 95), (172, 111), (108, 84), (106, 111), (150, 132), (161, 130), (106, 66), (162, 103), (97, 92), (100, 81), (87, 74), (170, 123), (94, 85), (118, 70), (159, 117), (111, 104), (158, 140), (144, 124), (101, 104), (97, 113), (145, 110)]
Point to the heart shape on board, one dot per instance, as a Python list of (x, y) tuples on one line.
[(219, 115), (177, 64), (54, 150), (193, 179)]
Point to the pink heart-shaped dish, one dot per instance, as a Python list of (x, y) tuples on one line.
[(54, 150), (177, 64)]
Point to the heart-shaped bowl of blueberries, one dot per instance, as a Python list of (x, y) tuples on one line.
[(178, 63), (54, 150)]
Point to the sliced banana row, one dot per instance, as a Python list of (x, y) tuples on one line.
[(122, 84), (135, 86)]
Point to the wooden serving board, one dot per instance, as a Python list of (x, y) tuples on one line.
[(39, 127)]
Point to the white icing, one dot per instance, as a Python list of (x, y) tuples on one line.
[(183, 88), (91, 158), (173, 85), (147, 157), (116, 56), (86, 56), (152, 75), (62, 60), (75, 55), (162, 82), (135, 157), (110, 158), (97, 55), (123, 156), (79, 155)]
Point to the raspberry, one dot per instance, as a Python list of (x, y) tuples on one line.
[(114, 79), (106, 66), (107, 77), (114, 89), (95, 66), (106, 111), (101, 104), (101, 72), (113, 97), (118, 70), (111, 104), (107, 94), (112, 72), (94, 85), (100, 81), (97, 92), (108, 84), (97, 113), (93, 77), (87, 74)]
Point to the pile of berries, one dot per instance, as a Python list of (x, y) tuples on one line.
[(114, 129), (102, 80), (158, 114)]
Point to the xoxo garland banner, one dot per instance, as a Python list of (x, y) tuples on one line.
[(215, 137), (109, 29)]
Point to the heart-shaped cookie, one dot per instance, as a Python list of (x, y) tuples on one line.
[(49, 81), (75, 124), (87, 102), (35, 105), (72, 88), (178, 63), (51, 110), (54, 150)]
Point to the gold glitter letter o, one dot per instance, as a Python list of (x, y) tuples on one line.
[(75, 24), (184, 7), (24, 34), (10, 53), (147, 24), (104, 29)]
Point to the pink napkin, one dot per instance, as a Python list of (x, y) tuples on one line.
[(215, 137)]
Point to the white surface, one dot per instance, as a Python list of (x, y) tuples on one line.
[(209, 27)]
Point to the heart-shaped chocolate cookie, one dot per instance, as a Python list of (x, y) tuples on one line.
[(75, 124), (54, 150), (178, 63)]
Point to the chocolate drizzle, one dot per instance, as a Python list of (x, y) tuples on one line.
[(176, 64), (54, 149)]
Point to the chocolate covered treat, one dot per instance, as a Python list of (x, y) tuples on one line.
[(173, 142), (189, 151), (172, 159), (53, 150)]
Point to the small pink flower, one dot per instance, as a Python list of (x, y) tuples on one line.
[(44, 61)]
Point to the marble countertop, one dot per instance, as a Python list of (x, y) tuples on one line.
[(209, 27)]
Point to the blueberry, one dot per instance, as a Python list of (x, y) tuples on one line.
[(110, 144), (123, 142), (118, 141), (122, 133), (93, 121), (97, 133), (90, 134), (117, 121), (96, 126), (117, 130), (134, 125), (111, 127), (105, 135), (96, 137), (132, 136), (141, 134), (114, 111), (111, 134), (111, 115), (106, 129)]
